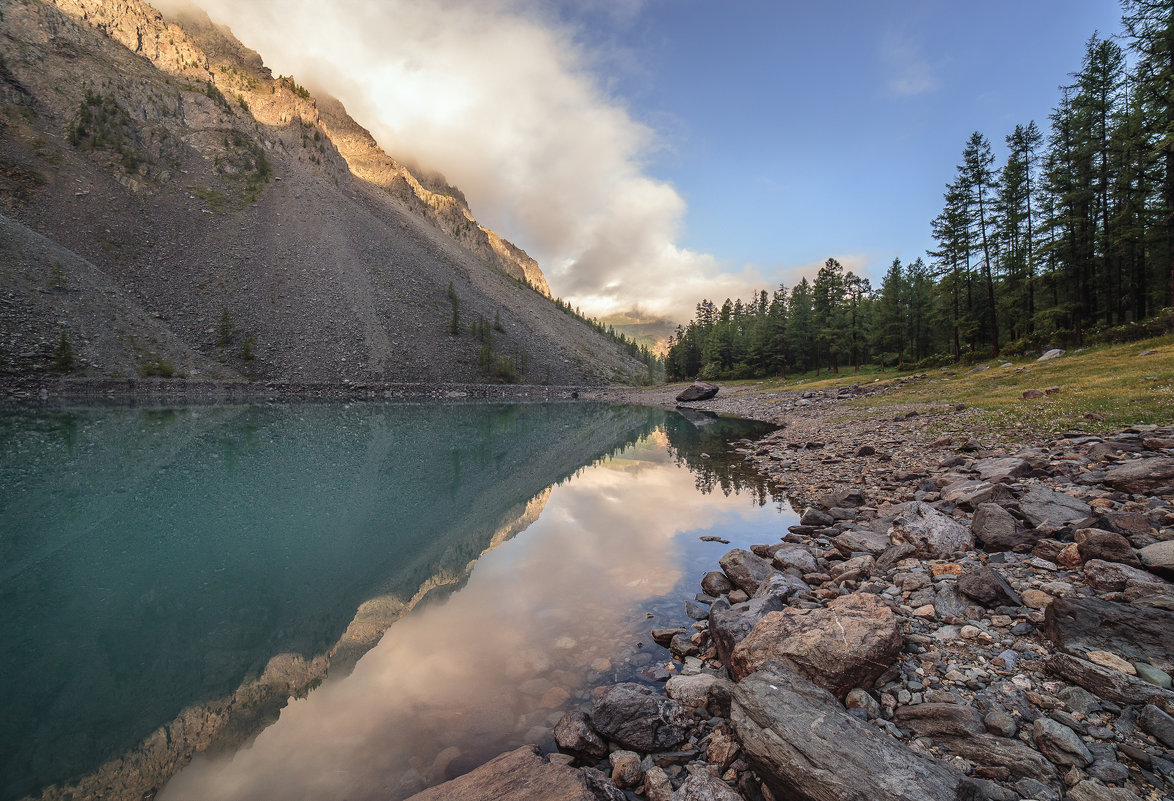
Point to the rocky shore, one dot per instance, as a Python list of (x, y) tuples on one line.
[(952, 618)]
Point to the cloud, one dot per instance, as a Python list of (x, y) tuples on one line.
[(502, 97), (910, 73)]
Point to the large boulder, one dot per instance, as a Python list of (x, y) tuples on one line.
[(934, 535), (1140, 634), (638, 718), (848, 644), (1142, 475), (697, 391), (520, 775), (806, 747), (1039, 505), (746, 571), (998, 530)]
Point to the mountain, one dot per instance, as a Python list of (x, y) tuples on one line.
[(168, 207)]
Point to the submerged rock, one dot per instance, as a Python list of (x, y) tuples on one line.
[(520, 775)]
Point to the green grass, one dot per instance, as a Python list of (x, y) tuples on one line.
[(1102, 389)]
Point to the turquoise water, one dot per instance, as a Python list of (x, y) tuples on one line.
[(169, 577)]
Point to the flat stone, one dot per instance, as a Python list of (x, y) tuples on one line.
[(1158, 723), (806, 747), (1001, 468), (1077, 625), (690, 691), (1111, 660), (1105, 683), (1155, 676), (1041, 505), (1141, 475), (1093, 790), (940, 720)]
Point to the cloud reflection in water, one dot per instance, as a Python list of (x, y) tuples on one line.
[(544, 617)]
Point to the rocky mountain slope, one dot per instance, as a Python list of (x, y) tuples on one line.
[(172, 209)]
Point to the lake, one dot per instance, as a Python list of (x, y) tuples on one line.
[(339, 601)]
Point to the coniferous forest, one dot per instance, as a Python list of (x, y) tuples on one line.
[(1069, 242)]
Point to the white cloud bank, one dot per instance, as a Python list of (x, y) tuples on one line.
[(500, 97)]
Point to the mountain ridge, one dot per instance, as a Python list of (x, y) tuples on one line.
[(265, 230)]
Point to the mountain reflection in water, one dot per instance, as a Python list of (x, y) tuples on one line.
[(223, 545)]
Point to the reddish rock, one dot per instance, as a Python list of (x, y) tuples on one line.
[(520, 775), (1142, 475), (848, 644)]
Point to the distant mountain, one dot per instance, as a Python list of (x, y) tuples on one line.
[(168, 207)]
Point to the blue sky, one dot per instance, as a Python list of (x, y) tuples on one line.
[(650, 153), (798, 131)]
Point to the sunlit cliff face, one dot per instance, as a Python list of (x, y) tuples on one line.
[(494, 665), (505, 100)]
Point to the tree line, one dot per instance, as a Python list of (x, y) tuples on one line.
[(1070, 240)]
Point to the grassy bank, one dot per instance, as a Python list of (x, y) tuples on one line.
[(1100, 389)]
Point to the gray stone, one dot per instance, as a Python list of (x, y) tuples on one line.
[(845, 496), (1140, 634), (1001, 723), (950, 603), (1159, 558), (1001, 468), (690, 691), (998, 530), (716, 583), (1002, 752), (745, 570), (573, 735), (1157, 723), (1059, 744), (861, 541), (794, 557), (700, 786), (1093, 790), (638, 718), (729, 625), (931, 532), (806, 747), (1112, 685), (697, 391), (1054, 353), (1154, 675), (988, 587), (968, 495), (695, 610), (815, 517), (1040, 505)]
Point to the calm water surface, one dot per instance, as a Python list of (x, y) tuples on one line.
[(169, 578)]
